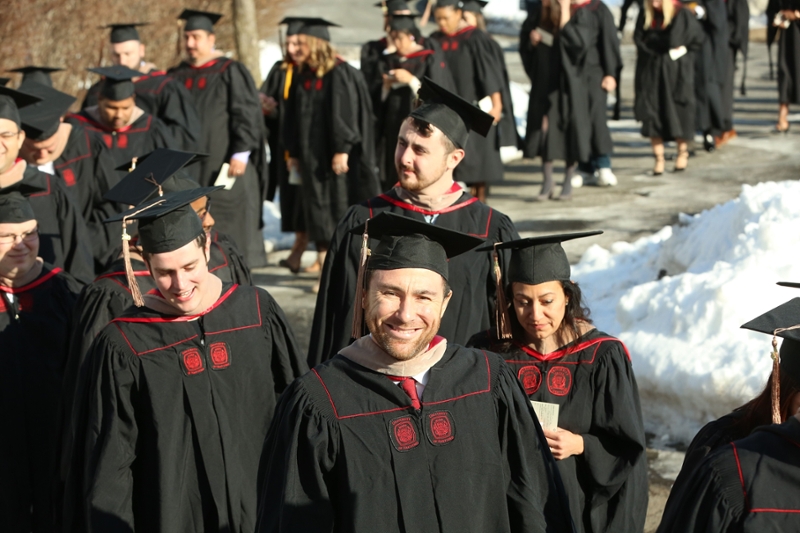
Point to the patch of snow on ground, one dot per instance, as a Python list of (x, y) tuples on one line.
[(274, 238), (692, 361), (269, 54)]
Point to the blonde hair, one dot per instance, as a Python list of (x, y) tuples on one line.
[(667, 7), (321, 57)]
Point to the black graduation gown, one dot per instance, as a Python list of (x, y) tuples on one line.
[(63, 237), (471, 276), (739, 28), (507, 127), (788, 51), (327, 116), (348, 452), (87, 169), (178, 414), (33, 337), (162, 96), (665, 97), (372, 54), (711, 67), (279, 85), (592, 381), (139, 138), (227, 101), (748, 486), (471, 59), (538, 62), (394, 109), (226, 262)]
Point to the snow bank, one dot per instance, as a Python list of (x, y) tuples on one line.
[(719, 269)]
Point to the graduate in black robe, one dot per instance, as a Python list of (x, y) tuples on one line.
[(36, 300), (562, 360), (783, 26), (441, 203), (739, 39), (80, 161), (183, 389), (232, 133), (156, 92), (471, 59), (435, 436), (667, 38), (37, 74)]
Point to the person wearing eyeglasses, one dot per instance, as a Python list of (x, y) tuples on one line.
[(36, 300)]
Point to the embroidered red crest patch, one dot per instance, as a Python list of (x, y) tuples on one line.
[(122, 140), (531, 378), (403, 433), (192, 361), (220, 356), (108, 140), (559, 380), (188, 83), (201, 83), (69, 177), (446, 45), (441, 428)]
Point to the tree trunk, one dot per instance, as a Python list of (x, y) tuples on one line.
[(246, 34)]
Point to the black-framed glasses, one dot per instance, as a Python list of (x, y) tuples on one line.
[(11, 238)]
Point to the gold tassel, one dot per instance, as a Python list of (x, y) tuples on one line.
[(358, 309), (776, 383), (502, 320), (136, 292), (133, 164)]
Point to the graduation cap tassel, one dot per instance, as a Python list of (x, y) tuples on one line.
[(136, 292), (776, 383), (502, 321), (358, 311)]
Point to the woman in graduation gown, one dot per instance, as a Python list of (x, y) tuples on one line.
[(561, 358), (667, 37), (783, 17), (329, 135)]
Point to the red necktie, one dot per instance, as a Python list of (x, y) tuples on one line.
[(409, 386)]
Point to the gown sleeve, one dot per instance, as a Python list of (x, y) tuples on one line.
[(288, 361), (299, 451), (244, 109), (535, 494), (608, 43), (344, 103), (489, 75), (78, 259), (177, 110), (104, 237), (236, 262)]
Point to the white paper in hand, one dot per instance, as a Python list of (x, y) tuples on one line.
[(677, 53), (547, 37), (223, 179), (547, 413)]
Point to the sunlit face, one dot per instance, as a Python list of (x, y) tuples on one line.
[(421, 161), (448, 18), (404, 42), (202, 207), (297, 48), (403, 309), (199, 43), (11, 139), (116, 114), (41, 152), (182, 276), (540, 308), (470, 18), (129, 54), (19, 246)]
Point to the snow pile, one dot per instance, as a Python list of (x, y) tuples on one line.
[(274, 238), (719, 269)]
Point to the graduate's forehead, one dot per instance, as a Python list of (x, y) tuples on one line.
[(19, 228), (184, 256), (408, 280), (411, 134)]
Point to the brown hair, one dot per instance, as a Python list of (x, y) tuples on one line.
[(425, 129), (667, 7), (551, 17), (201, 242), (321, 57), (758, 411), (574, 314)]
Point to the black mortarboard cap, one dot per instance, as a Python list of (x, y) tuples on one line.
[(118, 82), (124, 32), (784, 316), (12, 101), (4, 81), (151, 171), (474, 6), (199, 20), (42, 119), (393, 6), (451, 113), (790, 284), (458, 4), (38, 74), (316, 27), (402, 23), (14, 205), (293, 25)]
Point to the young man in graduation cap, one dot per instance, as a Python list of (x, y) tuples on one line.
[(749, 485), (232, 133), (183, 388), (156, 92), (126, 129), (36, 301), (37, 74), (431, 145), (64, 240), (401, 430), (80, 161)]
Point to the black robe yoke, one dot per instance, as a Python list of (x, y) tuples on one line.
[(166, 98), (592, 381), (331, 115), (788, 51), (347, 452), (665, 98), (63, 237), (748, 486), (471, 276), (227, 101), (471, 59), (34, 325), (178, 413)]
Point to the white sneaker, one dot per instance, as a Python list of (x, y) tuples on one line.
[(580, 178), (606, 177)]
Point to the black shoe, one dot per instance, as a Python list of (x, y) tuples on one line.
[(708, 143)]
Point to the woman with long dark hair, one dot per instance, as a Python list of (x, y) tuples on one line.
[(580, 381)]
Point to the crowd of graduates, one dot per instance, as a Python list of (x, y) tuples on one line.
[(454, 379)]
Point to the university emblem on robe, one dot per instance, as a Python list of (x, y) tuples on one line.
[(192, 361), (220, 355), (403, 433), (531, 378), (441, 428), (559, 380)]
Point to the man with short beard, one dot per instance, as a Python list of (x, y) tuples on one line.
[(402, 431), (431, 144)]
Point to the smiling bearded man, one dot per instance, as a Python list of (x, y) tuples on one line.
[(402, 431)]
